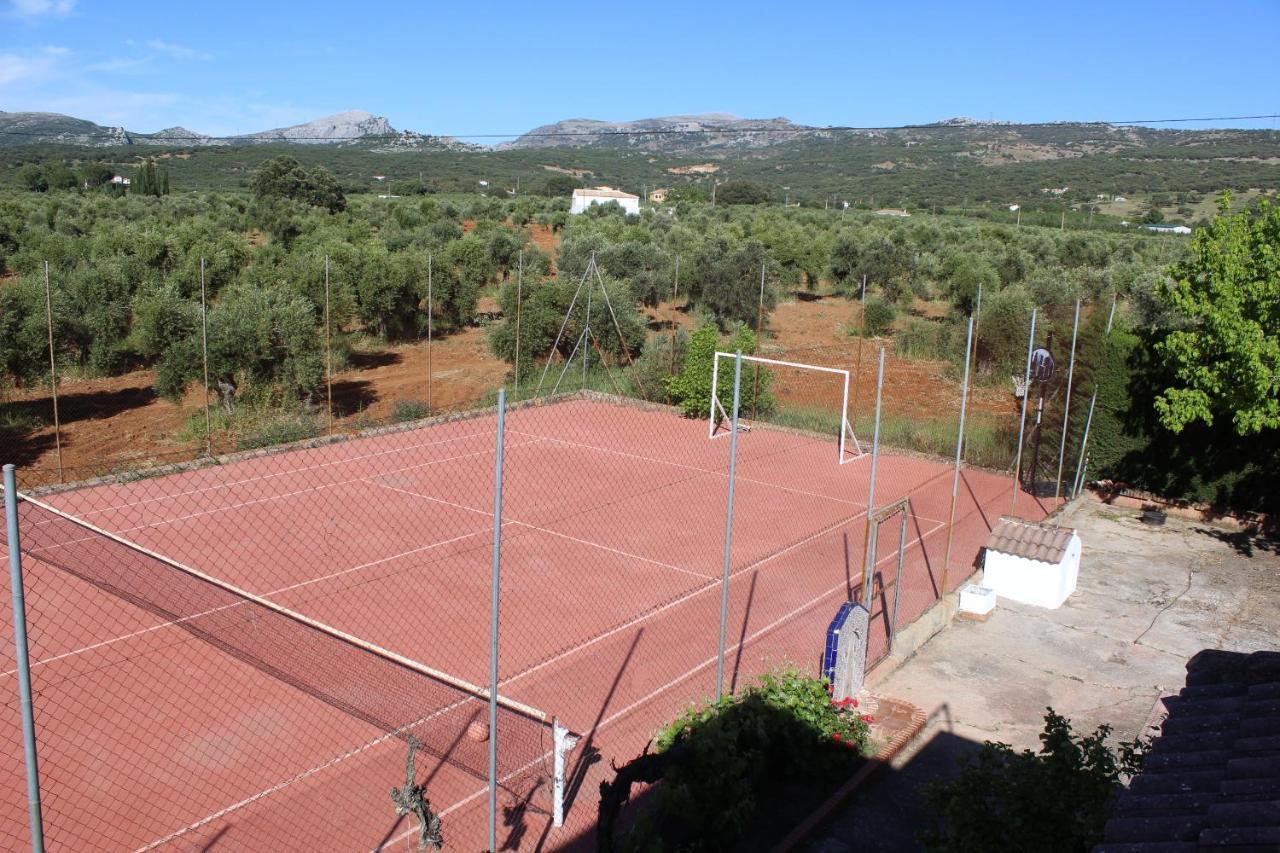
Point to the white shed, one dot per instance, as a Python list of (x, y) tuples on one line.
[(1034, 563), (584, 198)]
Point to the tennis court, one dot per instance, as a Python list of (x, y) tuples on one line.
[(263, 698)]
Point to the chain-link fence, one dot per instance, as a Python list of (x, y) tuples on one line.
[(247, 647)]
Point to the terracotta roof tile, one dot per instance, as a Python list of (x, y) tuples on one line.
[(1212, 778), (1044, 542)]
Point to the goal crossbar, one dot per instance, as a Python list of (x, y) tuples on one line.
[(848, 446)]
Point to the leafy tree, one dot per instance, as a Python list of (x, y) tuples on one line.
[(258, 337), (96, 174), (725, 279), (542, 311), (284, 177), (59, 177), (1226, 356), (560, 185), (1052, 800), (33, 178), (741, 192), (691, 388), (879, 317)]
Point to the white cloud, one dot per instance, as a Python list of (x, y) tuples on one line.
[(177, 51), (25, 70), (41, 8)]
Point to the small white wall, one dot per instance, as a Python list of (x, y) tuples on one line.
[(1032, 581)]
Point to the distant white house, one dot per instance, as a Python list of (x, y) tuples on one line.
[(888, 211), (1169, 229), (121, 180), (584, 198)]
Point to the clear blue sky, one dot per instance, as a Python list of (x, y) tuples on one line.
[(474, 67)]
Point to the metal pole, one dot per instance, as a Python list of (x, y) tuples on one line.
[(955, 480), (675, 292), (493, 620), (875, 464), (23, 665), (862, 333), (1066, 409), (1112, 315), (755, 388), (728, 525), (204, 354), (1084, 444), (519, 288), (53, 370), (586, 328), (1022, 424), (328, 348), (430, 330)]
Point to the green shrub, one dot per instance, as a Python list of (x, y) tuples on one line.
[(929, 339), (877, 319), (282, 429), (409, 410), (1052, 800), (691, 389), (736, 772)]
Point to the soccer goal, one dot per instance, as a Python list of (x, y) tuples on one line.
[(824, 403)]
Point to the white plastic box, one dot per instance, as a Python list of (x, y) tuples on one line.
[(977, 600)]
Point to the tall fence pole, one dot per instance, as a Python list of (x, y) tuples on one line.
[(23, 664), (328, 348), (519, 289), (204, 355), (1022, 423), (431, 381), (955, 480), (1066, 408), (675, 293), (493, 620), (862, 333), (869, 568), (1083, 460), (586, 327), (755, 381), (53, 368), (728, 524)]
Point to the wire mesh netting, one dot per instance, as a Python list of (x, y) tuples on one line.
[(241, 648)]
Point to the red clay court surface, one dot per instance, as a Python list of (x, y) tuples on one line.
[(613, 538)]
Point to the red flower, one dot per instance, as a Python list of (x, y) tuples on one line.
[(836, 737), (868, 719), (851, 744), (855, 702)]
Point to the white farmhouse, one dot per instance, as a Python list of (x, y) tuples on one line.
[(1168, 229), (584, 198)]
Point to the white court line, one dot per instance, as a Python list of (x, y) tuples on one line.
[(656, 460), (256, 501), (644, 617), (274, 474), (177, 622), (617, 715)]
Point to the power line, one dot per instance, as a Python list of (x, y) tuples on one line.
[(702, 131)]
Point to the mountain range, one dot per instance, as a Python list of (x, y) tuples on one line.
[(353, 127)]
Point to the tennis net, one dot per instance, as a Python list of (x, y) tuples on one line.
[(398, 697)]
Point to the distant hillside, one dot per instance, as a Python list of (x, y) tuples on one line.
[(353, 128), (666, 134)]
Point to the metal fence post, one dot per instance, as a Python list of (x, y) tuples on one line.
[(519, 289), (328, 348), (955, 481), (1084, 444), (204, 356), (23, 665), (431, 409), (493, 619), (869, 568), (1066, 410), (53, 370), (1022, 423), (728, 523)]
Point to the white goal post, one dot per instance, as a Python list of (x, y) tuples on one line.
[(848, 449)]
